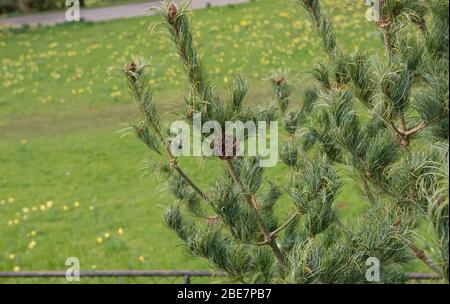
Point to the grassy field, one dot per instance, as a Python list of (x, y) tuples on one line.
[(71, 185)]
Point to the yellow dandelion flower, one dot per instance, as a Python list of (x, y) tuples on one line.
[(10, 199), (76, 204), (32, 244), (65, 208), (99, 240), (244, 23), (115, 94), (11, 256), (16, 269), (49, 204), (25, 210), (120, 231), (141, 259), (106, 235), (55, 75)]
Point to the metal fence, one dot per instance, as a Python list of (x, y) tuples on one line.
[(140, 277), (119, 277)]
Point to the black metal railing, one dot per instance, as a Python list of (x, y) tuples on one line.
[(140, 276), (145, 276)]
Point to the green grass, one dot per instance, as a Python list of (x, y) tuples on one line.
[(60, 112)]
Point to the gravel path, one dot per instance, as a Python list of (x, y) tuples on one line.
[(103, 13)]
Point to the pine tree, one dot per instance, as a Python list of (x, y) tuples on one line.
[(382, 120)]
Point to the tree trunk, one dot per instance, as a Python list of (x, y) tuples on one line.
[(22, 6)]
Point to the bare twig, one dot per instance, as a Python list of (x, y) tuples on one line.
[(404, 133), (290, 220), (368, 191), (413, 131)]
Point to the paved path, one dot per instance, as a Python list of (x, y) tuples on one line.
[(103, 13)]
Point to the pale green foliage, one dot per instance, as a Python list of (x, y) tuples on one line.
[(234, 224)]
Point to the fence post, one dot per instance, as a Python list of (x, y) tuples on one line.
[(187, 279)]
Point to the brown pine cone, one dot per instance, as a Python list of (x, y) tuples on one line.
[(279, 81), (171, 12), (131, 67)]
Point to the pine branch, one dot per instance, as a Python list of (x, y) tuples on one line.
[(420, 254), (404, 141), (413, 131), (393, 127), (315, 250), (322, 24), (174, 163), (405, 133), (188, 180), (286, 224), (177, 24), (135, 73), (251, 201), (423, 125), (385, 25), (368, 191), (422, 24)]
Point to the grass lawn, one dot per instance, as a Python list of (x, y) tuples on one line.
[(71, 185)]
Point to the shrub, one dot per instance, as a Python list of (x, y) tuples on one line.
[(382, 120)]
